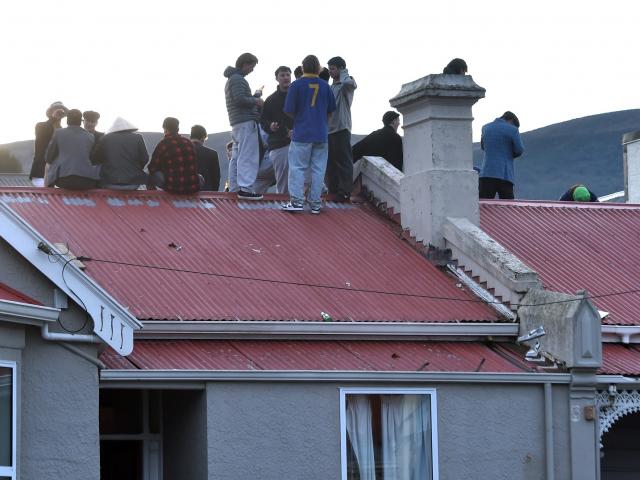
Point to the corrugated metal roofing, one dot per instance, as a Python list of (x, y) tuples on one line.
[(247, 252), (8, 293), (618, 359), (15, 180), (313, 355), (573, 246)]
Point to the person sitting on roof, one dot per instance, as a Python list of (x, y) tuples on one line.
[(579, 193), (173, 162), (385, 143), (123, 156), (69, 156), (206, 158), (457, 66), (90, 122)]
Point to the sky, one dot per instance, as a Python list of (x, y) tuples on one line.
[(547, 61)]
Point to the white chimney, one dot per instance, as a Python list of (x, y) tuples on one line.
[(631, 154), (439, 179)]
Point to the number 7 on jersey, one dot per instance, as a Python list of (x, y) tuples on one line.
[(316, 88)]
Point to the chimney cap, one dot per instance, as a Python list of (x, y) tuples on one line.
[(438, 85)]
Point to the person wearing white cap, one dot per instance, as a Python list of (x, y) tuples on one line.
[(44, 132), (123, 156)]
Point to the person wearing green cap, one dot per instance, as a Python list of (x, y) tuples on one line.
[(579, 193)]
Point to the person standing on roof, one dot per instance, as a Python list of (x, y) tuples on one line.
[(279, 126), (340, 163), (173, 162), (206, 158), (244, 114), (44, 132), (122, 155), (69, 156), (579, 193), (500, 143), (385, 143), (310, 103)]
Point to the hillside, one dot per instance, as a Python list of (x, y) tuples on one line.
[(585, 150)]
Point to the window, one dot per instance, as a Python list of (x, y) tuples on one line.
[(7, 420), (389, 434)]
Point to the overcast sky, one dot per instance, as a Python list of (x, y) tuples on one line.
[(547, 61)]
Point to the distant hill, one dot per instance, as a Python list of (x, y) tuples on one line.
[(585, 150)]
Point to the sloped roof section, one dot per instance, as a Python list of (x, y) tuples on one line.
[(13, 295), (592, 246), (618, 359), (210, 257), (313, 355)]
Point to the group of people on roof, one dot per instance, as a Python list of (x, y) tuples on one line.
[(297, 141)]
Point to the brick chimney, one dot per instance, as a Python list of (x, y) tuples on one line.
[(439, 179)]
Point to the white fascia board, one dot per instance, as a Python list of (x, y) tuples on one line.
[(621, 334), (323, 330), (151, 376), (27, 314), (111, 322)]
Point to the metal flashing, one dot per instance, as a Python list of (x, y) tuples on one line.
[(27, 314)]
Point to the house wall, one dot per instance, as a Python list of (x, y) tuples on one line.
[(184, 436), (59, 411), (292, 430), (57, 400)]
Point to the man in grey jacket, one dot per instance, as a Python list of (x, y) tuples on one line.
[(69, 156), (244, 114), (340, 162), (122, 155)]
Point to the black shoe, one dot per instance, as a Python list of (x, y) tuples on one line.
[(242, 195)]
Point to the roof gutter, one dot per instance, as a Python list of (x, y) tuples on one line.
[(155, 330), (620, 334), (163, 376)]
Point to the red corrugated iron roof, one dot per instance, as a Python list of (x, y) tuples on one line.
[(592, 246), (618, 359), (314, 355), (346, 247), (8, 293)]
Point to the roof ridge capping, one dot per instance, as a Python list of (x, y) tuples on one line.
[(487, 259)]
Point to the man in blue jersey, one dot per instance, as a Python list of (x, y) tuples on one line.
[(310, 103)]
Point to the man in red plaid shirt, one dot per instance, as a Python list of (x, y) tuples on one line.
[(173, 164)]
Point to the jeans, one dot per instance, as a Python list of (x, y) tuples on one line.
[(245, 159), (303, 157)]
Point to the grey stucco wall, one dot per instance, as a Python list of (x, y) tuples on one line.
[(59, 436), (273, 431), (184, 440), (21, 275), (292, 431)]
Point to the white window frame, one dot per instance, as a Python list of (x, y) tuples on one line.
[(11, 471), (388, 391)]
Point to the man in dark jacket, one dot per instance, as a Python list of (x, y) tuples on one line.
[(279, 126), (69, 156), (90, 122), (206, 158), (244, 113), (579, 193), (385, 143), (123, 156), (173, 162), (44, 132)]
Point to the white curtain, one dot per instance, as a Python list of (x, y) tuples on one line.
[(406, 437), (361, 435)]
